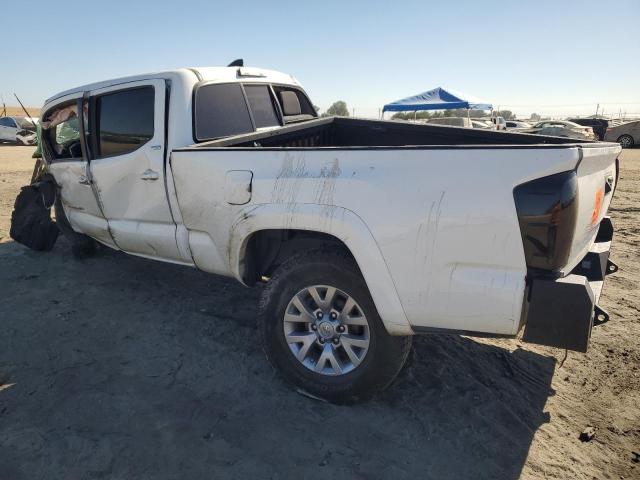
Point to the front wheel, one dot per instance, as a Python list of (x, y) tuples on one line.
[(626, 141), (322, 332)]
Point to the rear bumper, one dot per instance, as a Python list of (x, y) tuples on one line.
[(560, 312)]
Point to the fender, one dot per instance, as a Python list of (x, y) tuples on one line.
[(342, 224)]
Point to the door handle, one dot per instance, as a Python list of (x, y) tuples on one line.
[(83, 180), (149, 175)]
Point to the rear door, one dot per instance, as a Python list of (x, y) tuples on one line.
[(127, 144)]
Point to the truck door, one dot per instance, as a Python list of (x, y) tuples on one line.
[(127, 143), (65, 152)]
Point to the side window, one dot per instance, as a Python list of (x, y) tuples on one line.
[(294, 102), (220, 111), (261, 104), (61, 132), (124, 121)]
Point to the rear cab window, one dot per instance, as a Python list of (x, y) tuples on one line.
[(226, 109)]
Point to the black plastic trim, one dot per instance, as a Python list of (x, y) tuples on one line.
[(605, 230), (436, 330)]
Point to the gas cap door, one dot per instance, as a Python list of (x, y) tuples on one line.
[(237, 187)]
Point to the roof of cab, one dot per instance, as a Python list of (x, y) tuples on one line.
[(195, 75)]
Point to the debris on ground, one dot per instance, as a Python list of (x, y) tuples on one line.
[(588, 434)]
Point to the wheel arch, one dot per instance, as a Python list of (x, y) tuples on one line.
[(310, 226), (633, 140)]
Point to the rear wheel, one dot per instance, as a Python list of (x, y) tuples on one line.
[(322, 332), (626, 141)]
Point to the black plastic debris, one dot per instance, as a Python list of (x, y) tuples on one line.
[(587, 434), (31, 223)]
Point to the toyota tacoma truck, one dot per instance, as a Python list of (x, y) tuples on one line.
[(362, 233)]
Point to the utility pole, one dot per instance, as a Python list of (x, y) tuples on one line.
[(597, 108)]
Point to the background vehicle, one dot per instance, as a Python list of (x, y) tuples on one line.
[(626, 134), (561, 128), (517, 124), (499, 122), (451, 121), (483, 124), (599, 125), (360, 228), (18, 130)]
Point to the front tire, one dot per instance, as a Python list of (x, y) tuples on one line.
[(322, 332), (626, 141)]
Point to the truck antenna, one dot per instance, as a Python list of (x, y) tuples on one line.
[(237, 63), (25, 111)]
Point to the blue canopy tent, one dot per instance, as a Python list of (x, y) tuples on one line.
[(437, 99)]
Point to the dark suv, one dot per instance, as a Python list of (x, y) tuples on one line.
[(599, 125)]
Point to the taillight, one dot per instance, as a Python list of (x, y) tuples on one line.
[(547, 212)]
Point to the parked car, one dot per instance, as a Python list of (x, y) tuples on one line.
[(626, 134), (599, 125), (517, 124), (483, 124), (561, 128), (20, 130), (363, 232), (451, 121)]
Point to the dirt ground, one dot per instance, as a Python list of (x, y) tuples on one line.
[(19, 112), (117, 367)]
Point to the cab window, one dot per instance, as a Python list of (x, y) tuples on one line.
[(220, 110), (261, 105), (124, 121)]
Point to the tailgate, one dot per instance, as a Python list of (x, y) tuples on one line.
[(597, 177)]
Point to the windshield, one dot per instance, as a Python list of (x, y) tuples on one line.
[(24, 122)]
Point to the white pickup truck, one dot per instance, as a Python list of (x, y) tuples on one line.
[(363, 232)]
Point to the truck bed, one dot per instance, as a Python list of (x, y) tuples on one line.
[(343, 132), (428, 211)]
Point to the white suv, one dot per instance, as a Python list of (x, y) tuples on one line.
[(19, 130)]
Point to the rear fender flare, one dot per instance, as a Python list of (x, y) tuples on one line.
[(339, 222)]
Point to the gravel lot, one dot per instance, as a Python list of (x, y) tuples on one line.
[(117, 367)]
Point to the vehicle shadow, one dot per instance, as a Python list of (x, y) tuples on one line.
[(120, 367)]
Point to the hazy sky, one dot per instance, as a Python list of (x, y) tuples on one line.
[(545, 56)]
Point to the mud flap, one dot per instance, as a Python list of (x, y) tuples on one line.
[(31, 223)]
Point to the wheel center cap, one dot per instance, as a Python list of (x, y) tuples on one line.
[(326, 330)]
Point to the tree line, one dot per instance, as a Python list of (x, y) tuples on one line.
[(340, 109)]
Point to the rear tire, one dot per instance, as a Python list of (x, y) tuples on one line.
[(348, 355), (626, 141)]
